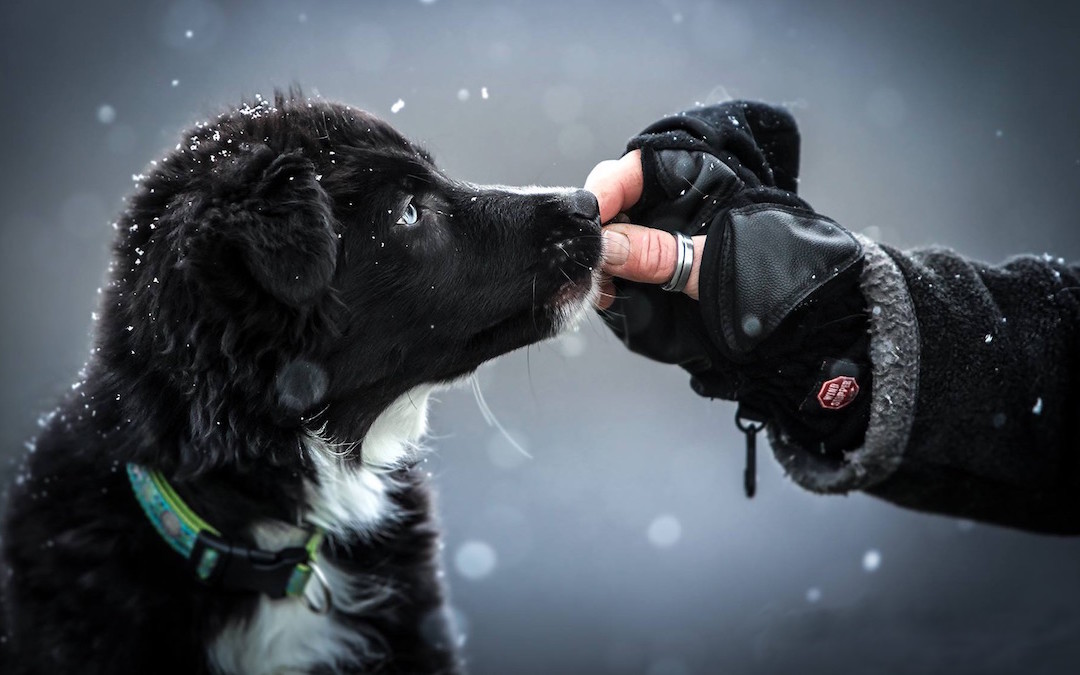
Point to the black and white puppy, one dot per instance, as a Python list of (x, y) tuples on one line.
[(287, 288)]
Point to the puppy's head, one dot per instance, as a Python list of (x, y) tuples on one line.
[(299, 257)]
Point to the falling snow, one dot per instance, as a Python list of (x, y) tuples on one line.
[(398, 105), (483, 92), (106, 114), (463, 95), (665, 531), (571, 344), (751, 325), (1037, 408), (475, 560), (871, 560)]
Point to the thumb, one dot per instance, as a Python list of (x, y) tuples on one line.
[(647, 255)]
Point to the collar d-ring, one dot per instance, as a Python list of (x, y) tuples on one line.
[(327, 603)]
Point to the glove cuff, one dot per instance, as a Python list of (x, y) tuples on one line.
[(894, 354)]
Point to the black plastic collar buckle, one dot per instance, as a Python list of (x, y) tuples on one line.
[(220, 563)]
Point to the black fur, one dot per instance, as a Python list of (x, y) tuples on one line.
[(261, 286)]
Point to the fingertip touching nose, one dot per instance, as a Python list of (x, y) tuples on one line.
[(582, 204)]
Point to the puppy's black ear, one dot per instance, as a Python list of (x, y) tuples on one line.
[(269, 213)]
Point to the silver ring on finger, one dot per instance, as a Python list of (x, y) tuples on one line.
[(684, 262)]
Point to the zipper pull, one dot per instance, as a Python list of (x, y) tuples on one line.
[(749, 426)]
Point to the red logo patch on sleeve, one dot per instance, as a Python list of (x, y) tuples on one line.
[(838, 392)]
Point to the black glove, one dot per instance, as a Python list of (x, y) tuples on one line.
[(781, 325)]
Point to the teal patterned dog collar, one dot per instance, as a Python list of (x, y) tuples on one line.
[(219, 562)]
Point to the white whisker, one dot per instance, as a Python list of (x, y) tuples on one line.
[(490, 418)]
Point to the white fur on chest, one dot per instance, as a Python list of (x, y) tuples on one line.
[(284, 636)]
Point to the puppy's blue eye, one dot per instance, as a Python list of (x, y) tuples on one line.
[(409, 216)]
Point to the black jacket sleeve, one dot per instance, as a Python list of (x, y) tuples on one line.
[(975, 410)]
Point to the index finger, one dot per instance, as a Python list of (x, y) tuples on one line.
[(617, 184)]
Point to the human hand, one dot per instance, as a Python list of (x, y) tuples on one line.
[(727, 172), (633, 252), (773, 303)]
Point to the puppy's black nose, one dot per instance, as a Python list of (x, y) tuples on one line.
[(582, 204)]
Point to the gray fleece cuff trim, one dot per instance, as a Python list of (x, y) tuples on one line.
[(894, 357)]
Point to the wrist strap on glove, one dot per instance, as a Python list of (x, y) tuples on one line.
[(750, 423)]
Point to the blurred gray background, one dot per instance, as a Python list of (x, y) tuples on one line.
[(624, 545)]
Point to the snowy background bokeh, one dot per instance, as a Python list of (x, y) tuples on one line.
[(624, 545)]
